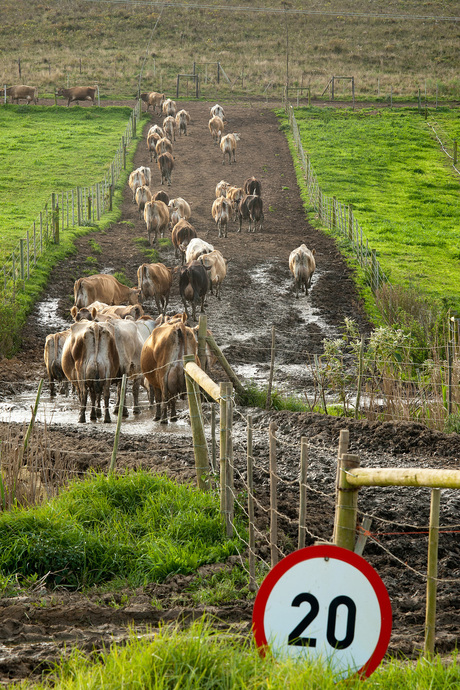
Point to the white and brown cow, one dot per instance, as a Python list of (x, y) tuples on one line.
[(221, 188), (156, 216), (136, 179), (90, 362), (169, 107), (169, 127), (102, 287), (302, 265), (152, 141), (154, 281), (196, 248), (234, 195), (215, 263), (252, 185), (221, 212), (143, 196), (228, 147), (163, 145), (217, 111), (162, 364), (96, 310)]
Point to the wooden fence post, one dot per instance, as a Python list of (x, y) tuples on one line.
[(213, 438), (124, 152), (303, 491), (272, 366), (32, 419), (432, 573), (346, 505), (252, 540), (202, 328), (274, 554), (350, 222), (344, 440), (230, 466), (200, 449), (78, 206), (455, 152), (223, 454)]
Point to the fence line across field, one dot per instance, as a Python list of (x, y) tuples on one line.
[(76, 207)]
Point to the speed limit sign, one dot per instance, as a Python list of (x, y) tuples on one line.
[(324, 602)]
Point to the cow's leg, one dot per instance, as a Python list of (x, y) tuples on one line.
[(159, 403), (107, 419), (83, 395), (173, 413), (202, 305), (240, 219), (52, 388), (92, 395), (164, 408), (136, 386)]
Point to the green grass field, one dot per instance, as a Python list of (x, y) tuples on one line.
[(51, 149), (404, 194)]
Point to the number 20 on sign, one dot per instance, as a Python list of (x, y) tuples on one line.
[(324, 602)]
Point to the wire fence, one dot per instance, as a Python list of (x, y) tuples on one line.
[(81, 206)]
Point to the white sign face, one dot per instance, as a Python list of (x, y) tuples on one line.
[(325, 602)]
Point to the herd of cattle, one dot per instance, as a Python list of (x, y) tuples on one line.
[(111, 335)]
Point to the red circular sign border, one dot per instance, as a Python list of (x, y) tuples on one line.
[(338, 553)]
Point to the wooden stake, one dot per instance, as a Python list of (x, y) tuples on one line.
[(118, 428), (200, 449), (272, 366), (346, 505), (202, 327), (32, 419), (344, 439), (432, 573), (303, 491), (252, 540), (408, 476), (273, 496), (230, 467), (213, 439), (223, 454)]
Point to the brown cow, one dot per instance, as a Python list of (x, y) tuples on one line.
[(169, 108), (221, 212), (163, 145), (221, 188), (217, 265), (181, 235), (228, 147), (216, 127), (161, 196), (302, 265), (90, 362), (136, 179), (169, 126), (153, 99), (78, 93), (152, 140), (217, 111), (161, 363), (54, 345), (252, 186), (102, 287), (234, 195), (166, 165), (94, 311), (22, 92), (156, 216), (155, 280), (251, 208)]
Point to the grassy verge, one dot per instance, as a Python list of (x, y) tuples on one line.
[(50, 149), (129, 529), (202, 658), (388, 166)]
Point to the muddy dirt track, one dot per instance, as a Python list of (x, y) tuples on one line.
[(257, 294)]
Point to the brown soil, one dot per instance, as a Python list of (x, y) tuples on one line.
[(35, 629)]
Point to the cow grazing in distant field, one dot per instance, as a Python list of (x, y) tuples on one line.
[(181, 234), (217, 265), (162, 364), (78, 93), (217, 111), (216, 127), (161, 195), (221, 212), (163, 145), (221, 188), (154, 281), (182, 121), (302, 265), (52, 355), (169, 108), (22, 92), (143, 196), (228, 147), (166, 166), (193, 285), (251, 208), (196, 248), (153, 99), (169, 127), (96, 310), (102, 287), (156, 216), (152, 141), (136, 179), (252, 186), (234, 195), (90, 362)]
